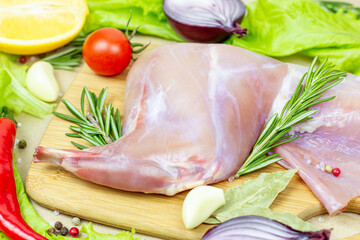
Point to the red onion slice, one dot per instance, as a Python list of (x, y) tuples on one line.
[(256, 227), (205, 20)]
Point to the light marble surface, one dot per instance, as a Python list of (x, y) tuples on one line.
[(32, 129)]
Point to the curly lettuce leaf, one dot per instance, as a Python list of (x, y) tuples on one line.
[(41, 226), (13, 93), (284, 27), (88, 229), (5, 81), (343, 58), (148, 14)]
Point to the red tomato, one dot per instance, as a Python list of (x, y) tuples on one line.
[(107, 51)]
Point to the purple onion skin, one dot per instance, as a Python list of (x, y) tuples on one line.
[(200, 34), (260, 228), (207, 34)]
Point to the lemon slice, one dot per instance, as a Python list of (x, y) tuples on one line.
[(38, 26)]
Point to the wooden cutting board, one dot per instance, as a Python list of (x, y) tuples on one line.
[(150, 214)]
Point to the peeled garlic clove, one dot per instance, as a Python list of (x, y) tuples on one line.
[(41, 82), (200, 203)]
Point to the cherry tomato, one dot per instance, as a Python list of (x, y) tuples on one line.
[(107, 51)]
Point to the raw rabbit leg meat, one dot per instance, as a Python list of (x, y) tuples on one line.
[(192, 115)]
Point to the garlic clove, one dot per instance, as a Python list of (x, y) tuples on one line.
[(40, 81), (200, 203)]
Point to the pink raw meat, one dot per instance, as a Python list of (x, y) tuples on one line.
[(331, 138), (192, 115)]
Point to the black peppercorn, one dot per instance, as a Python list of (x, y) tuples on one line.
[(22, 144), (58, 225), (64, 231), (51, 231)]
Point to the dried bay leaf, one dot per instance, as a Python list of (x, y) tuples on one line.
[(259, 192), (254, 197)]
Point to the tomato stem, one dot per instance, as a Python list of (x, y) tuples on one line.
[(129, 38)]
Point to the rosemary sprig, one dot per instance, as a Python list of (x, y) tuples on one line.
[(335, 6), (100, 127), (276, 131), (67, 58)]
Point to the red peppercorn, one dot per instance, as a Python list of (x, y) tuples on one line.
[(22, 59), (336, 172), (74, 231)]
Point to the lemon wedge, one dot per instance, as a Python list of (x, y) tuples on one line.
[(38, 26)]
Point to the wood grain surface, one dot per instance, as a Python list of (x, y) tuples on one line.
[(150, 214)]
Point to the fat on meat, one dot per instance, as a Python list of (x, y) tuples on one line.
[(192, 115)]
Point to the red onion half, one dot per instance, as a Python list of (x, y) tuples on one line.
[(256, 227), (205, 20)]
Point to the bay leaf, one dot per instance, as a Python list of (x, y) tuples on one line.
[(254, 197), (283, 217), (258, 192), (212, 220)]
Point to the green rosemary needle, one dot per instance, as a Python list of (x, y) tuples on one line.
[(100, 127), (276, 131), (66, 58), (336, 6)]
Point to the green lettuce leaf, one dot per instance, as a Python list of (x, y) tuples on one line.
[(148, 14), (13, 93), (284, 27), (343, 58), (41, 226), (5, 81), (88, 229)]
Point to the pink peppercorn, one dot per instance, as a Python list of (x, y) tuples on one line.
[(22, 59), (74, 232), (336, 172)]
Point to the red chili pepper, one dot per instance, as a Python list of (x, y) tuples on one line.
[(11, 222)]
